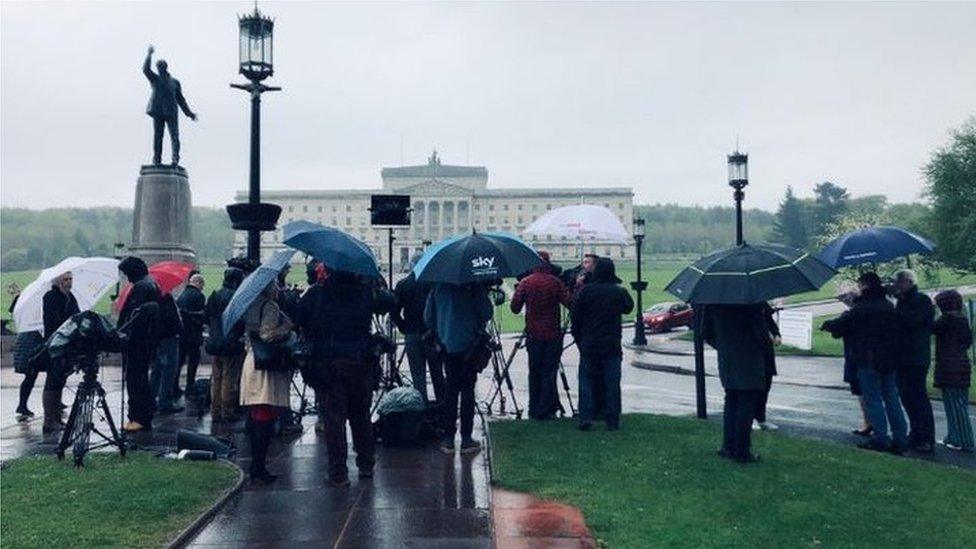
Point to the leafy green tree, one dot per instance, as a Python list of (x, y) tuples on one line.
[(830, 202), (790, 227), (951, 185)]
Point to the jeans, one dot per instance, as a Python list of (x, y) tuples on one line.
[(348, 388), (189, 355), (600, 371), (543, 367), (460, 381), (159, 123), (914, 396), (164, 372), (420, 358), (740, 408), (881, 404)]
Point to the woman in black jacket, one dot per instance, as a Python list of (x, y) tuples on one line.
[(953, 337), (59, 305)]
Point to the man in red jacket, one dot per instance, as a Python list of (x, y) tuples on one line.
[(541, 293)]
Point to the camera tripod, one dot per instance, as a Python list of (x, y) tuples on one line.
[(390, 377), (500, 376), (89, 400)]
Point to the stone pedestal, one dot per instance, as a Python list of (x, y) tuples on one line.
[(161, 223)]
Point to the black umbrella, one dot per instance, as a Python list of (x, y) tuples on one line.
[(750, 274), (479, 257)]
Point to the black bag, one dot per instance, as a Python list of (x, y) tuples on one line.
[(479, 353), (271, 357), (25, 346)]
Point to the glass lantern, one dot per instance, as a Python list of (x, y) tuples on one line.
[(256, 61), (738, 170), (639, 227)]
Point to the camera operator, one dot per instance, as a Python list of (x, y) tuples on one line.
[(336, 317), (141, 349), (409, 319), (264, 391), (596, 311), (59, 305), (541, 293), (457, 314), (227, 351)]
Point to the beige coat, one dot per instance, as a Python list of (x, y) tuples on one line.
[(260, 386)]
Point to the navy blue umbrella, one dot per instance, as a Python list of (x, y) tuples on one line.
[(873, 245), (338, 250), (476, 257), (750, 274), (252, 286)]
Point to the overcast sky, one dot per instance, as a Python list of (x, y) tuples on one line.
[(645, 95)]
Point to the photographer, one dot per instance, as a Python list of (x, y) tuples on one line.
[(409, 319), (595, 313), (227, 351), (139, 353), (264, 391), (59, 305), (541, 293), (457, 314), (336, 317)]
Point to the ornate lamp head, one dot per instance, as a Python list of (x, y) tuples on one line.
[(256, 38)]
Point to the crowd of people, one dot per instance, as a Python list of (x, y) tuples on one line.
[(887, 354)]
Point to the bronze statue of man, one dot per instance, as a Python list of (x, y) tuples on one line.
[(166, 96)]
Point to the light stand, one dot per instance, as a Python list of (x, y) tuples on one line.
[(639, 285)]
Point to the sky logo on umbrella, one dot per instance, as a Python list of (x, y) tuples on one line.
[(483, 265)]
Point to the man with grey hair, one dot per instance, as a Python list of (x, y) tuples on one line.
[(916, 315), (192, 304)]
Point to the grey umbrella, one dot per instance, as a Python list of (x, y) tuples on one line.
[(252, 286)]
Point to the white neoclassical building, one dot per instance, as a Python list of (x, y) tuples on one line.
[(446, 200)]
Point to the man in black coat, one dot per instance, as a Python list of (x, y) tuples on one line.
[(140, 349), (596, 326), (59, 304), (740, 335), (336, 317), (769, 351), (916, 315), (228, 351), (869, 328), (192, 305), (166, 366), (409, 319)]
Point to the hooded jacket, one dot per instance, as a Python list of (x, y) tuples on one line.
[(596, 311), (953, 337), (870, 327), (144, 289), (233, 343)]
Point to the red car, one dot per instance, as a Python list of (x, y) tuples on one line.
[(664, 317)]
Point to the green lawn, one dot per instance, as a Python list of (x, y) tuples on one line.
[(658, 483), (137, 501)]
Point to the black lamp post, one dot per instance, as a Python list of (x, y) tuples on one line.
[(256, 64), (738, 179), (639, 285)]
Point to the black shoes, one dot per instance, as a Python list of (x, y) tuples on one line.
[(748, 458), (866, 432), (923, 447), (585, 426), (470, 446), (339, 482), (874, 446), (263, 478)]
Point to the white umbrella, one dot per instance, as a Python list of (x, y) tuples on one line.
[(580, 222), (92, 277)]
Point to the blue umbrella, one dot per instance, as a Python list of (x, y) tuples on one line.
[(873, 245), (476, 257), (252, 286), (338, 250)]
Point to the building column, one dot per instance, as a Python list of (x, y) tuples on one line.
[(440, 220)]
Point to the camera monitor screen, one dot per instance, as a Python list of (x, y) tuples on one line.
[(390, 209)]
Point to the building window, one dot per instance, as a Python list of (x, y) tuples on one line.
[(305, 209), (320, 209), (491, 207), (348, 221), (505, 207), (348, 208), (291, 209), (519, 207), (491, 220), (548, 207), (334, 222), (333, 209), (477, 207), (535, 207)]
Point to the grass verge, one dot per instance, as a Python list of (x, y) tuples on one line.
[(658, 482), (136, 501)]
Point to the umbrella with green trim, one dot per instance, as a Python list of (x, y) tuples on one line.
[(750, 274)]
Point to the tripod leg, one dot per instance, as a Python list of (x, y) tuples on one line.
[(69, 427), (569, 397), (117, 439), (511, 392)]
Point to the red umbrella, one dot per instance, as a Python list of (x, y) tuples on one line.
[(167, 274)]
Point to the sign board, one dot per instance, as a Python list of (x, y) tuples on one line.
[(796, 328)]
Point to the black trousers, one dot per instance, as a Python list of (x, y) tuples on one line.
[(543, 367), (142, 405), (189, 354), (459, 385), (740, 407), (159, 123), (763, 398), (914, 397), (348, 395)]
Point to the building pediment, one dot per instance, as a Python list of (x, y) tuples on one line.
[(435, 187)]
